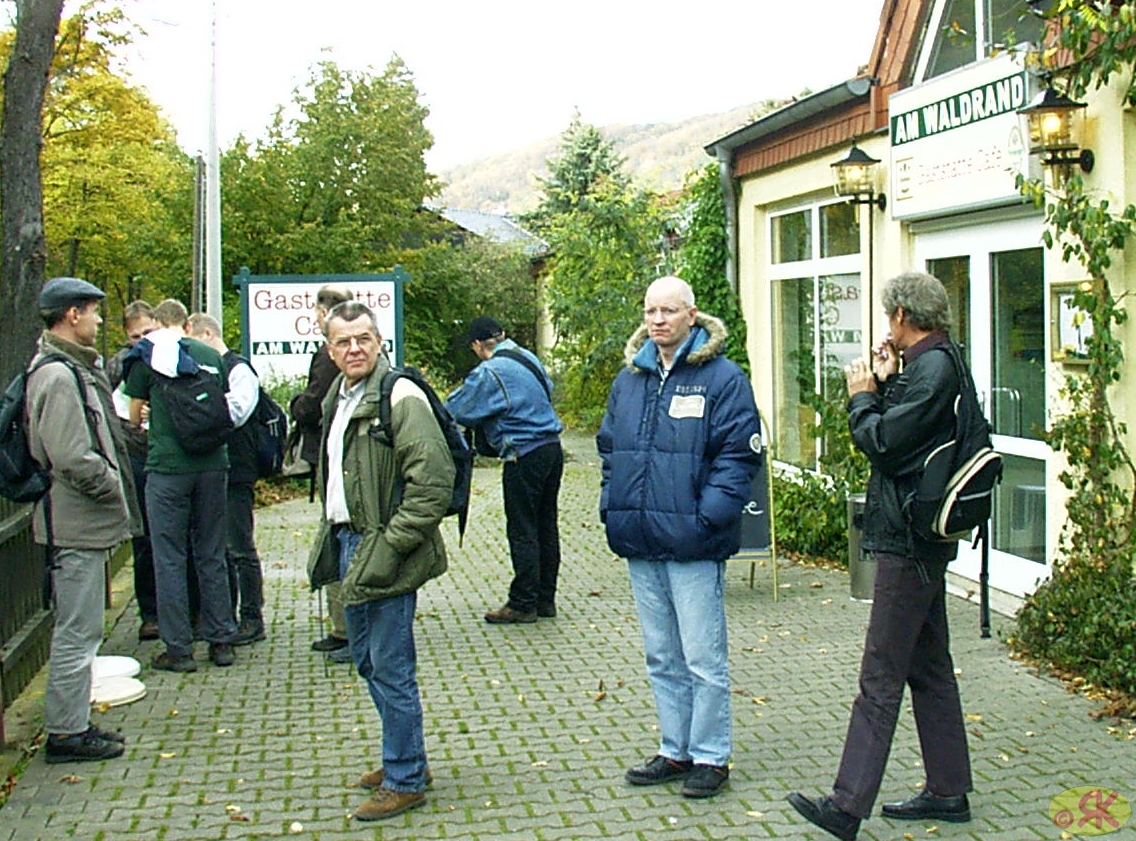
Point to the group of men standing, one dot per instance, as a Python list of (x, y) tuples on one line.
[(130, 478), (680, 444)]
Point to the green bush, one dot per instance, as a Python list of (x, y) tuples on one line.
[(1083, 620), (810, 516)]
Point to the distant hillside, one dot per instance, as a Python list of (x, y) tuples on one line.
[(659, 155)]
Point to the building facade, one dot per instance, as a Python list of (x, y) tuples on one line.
[(938, 107)]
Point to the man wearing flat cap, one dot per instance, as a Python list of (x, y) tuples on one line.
[(509, 398), (90, 508)]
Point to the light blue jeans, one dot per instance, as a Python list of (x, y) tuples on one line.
[(683, 618), (381, 634)]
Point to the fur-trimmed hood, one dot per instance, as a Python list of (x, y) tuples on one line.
[(707, 339)]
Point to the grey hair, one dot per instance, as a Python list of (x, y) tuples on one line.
[(923, 299), (350, 311)]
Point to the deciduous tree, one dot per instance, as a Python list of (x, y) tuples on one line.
[(21, 192)]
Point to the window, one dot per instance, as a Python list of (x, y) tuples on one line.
[(792, 237), (961, 32), (817, 315)]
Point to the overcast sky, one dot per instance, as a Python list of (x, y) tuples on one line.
[(498, 74)]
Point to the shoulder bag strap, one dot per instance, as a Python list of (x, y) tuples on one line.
[(517, 356)]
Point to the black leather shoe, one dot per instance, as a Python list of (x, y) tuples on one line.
[(329, 643), (658, 769), (926, 806), (827, 815)]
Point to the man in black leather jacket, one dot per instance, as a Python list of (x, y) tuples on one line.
[(898, 413)]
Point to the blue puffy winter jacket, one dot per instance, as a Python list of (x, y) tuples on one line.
[(679, 452)]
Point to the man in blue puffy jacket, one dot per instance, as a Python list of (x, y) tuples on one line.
[(509, 397), (679, 444)]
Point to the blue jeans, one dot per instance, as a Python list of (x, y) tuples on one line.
[(683, 618), (381, 634)]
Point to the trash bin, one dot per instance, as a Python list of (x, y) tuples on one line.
[(861, 565)]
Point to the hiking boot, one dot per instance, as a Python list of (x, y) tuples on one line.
[(507, 616), (658, 769), (329, 643), (107, 735), (222, 654), (172, 663), (148, 631), (705, 780), (385, 803), (546, 611), (374, 779), (250, 631), (80, 747)]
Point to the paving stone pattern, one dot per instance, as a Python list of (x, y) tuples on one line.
[(530, 727)]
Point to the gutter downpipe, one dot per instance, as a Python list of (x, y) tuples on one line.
[(730, 200)]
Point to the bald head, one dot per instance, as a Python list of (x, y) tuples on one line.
[(672, 286), (669, 314)]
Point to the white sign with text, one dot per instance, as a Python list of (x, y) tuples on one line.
[(279, 318), (957, 141)]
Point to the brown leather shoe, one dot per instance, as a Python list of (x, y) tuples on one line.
[(374, 779), (507, 616), (385, 803)]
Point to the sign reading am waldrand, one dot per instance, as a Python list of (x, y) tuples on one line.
[(957, 141), (993, 99), (278, 318)]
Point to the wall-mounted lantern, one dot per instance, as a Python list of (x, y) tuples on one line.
[(1055, 126), (855, 178)]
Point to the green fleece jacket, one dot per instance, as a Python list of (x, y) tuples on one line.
[(396, 494)]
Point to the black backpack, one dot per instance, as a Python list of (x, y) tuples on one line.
[(198, 410), (22, 478), (956, 491), (460, 451), (266, 428), (270, 424)]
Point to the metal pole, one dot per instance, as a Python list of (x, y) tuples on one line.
[(213, 190), (984, 583)]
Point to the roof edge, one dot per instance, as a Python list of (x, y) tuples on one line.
[(850, 90)]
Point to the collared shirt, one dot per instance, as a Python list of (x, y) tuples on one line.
[(335, 495)]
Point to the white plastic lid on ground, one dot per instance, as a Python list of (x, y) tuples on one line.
[(113, 681)]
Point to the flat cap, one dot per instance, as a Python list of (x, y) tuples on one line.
[(481, 328), (67, 290)]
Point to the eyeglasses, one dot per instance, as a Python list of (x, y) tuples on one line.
[(665, 312), (343, 344)]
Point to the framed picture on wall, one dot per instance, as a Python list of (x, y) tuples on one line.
[(1072, 326)]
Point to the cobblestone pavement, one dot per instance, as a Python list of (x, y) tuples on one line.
[(530, 728)]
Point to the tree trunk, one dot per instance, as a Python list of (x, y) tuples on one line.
[(21, 190)]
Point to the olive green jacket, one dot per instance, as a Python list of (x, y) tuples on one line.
[(396, 495)]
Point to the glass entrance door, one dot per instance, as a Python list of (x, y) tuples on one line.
[(995, 279)]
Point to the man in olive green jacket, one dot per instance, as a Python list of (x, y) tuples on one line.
[(382, 504)]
